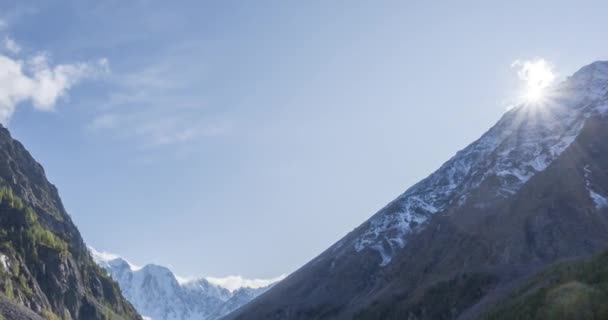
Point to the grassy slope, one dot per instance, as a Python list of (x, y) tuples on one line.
[(570, 290)]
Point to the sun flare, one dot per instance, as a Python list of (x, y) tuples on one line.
[(537, 76)]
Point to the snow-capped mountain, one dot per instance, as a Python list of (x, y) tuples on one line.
[(531, 191), (158, 294), (524, 142)]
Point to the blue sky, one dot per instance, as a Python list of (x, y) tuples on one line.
[(245, 137)]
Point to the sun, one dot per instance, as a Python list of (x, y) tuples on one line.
[(537, 76), (534, 93)]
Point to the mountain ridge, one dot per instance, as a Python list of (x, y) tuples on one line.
[(46, 267), (401, 252)]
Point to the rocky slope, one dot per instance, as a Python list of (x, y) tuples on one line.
[(45, 267), (156, 292), (531, 191)]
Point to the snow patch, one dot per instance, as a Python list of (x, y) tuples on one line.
[(386, 258), (5, 262), (599, 200), (523, 143), (603, 109), (102, 256)]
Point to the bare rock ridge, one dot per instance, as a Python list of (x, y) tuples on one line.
[(532, 191), (46, 270)]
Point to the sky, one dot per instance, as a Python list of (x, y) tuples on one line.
[(242, 138)]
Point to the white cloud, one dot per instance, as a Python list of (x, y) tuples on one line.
[(11, 45), (536, 73), (234, 282), (36, 80)]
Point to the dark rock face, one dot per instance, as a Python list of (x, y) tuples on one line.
[(513, 203), (46, 266), (13, 311)]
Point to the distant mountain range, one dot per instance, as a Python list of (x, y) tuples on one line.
[(158, 294), (531, 192)]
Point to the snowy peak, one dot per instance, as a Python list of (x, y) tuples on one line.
[(588, 83), (157, 293), (204, 286), (525, 141), (105, 259), (595, 72)]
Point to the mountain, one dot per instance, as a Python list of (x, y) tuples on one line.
[(46, 270), (532, 191), (156, 292)]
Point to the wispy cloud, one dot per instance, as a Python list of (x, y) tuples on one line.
[(35, 79), (154, 130), (177, 129), (234, 282), (157, 108)]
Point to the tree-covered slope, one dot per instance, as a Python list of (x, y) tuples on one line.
[(45, 266)]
